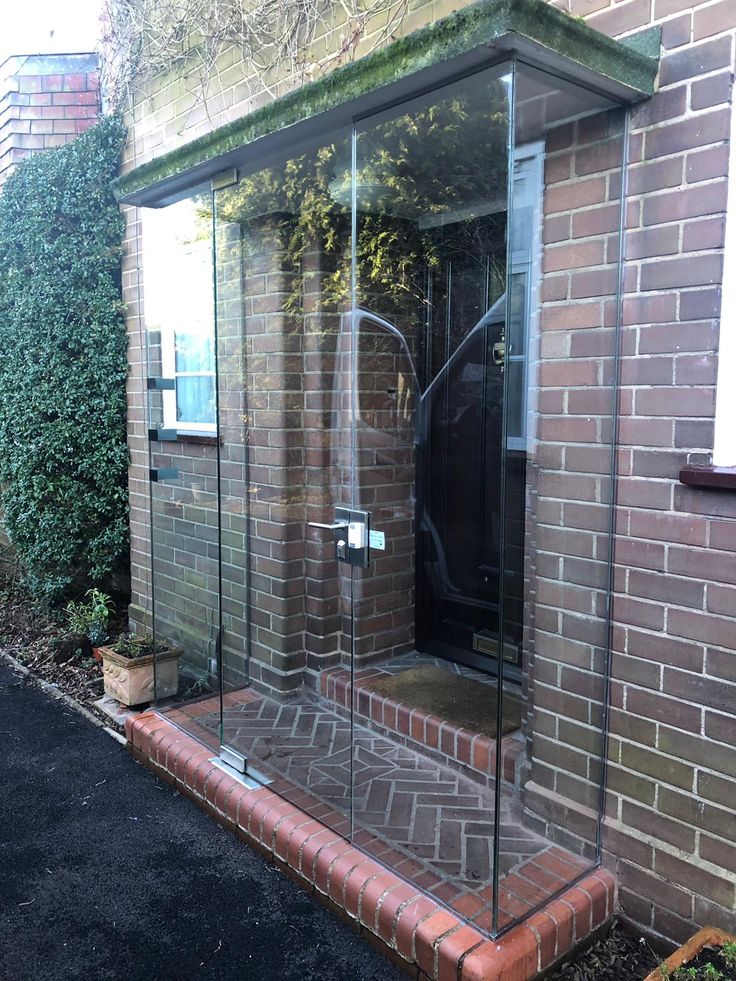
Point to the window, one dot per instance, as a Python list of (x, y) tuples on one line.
[(188, 357), (179, 313)]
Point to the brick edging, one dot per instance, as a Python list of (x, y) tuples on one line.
[(425, 938)]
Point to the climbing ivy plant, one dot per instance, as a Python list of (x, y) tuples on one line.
[(63, 454), (144, 39)]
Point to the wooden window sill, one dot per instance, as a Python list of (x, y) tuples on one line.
[(203, 439), (709, 477)]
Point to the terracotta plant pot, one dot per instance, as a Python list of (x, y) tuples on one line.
[(707, 937), (96, 654), (130, 679)]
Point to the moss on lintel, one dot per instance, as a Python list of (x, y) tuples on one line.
[(646, 43), (460, 33)]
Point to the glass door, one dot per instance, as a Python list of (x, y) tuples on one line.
[(362, 372), (431, 374), (283, 290)]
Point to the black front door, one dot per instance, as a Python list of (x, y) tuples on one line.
[(459, 459)]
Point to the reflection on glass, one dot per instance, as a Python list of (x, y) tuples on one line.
[(388, 340), (283, 292), (431, 260), (179, 319), (431, 269)]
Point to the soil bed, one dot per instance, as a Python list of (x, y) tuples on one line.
[(699, 964), (40, 641), (619, 956)]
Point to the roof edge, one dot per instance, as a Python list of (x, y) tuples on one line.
[(628, 69)]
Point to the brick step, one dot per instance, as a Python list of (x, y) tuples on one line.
[(424, 937), (473, 752)]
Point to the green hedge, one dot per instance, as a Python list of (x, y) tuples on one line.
[(63, 455)]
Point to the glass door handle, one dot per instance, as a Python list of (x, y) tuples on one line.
[(352, 535)]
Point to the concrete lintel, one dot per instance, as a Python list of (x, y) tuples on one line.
[(487, 31)]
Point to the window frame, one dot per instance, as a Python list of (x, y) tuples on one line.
[(168, 366), (724, 440), (533, 155)]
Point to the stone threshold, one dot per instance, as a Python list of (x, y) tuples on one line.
[(423, 937), (469, 750)]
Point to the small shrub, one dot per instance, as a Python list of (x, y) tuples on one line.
[(90, 619), (131, 645)]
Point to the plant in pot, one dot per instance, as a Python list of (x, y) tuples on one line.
[(708, 956), (89, 619), (128, 669)]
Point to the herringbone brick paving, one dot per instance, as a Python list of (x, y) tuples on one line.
[(431, 823)]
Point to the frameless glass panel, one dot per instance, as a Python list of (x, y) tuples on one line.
[(431, 191), (284, 365), (560, 370), (179, 320), (413, 334)]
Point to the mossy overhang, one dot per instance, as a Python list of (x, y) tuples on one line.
[(487, 31)]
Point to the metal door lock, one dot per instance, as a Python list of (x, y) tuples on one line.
[(352, 548), (498, 353), (358, 534)]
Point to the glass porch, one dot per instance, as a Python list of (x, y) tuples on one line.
[(382, 414)]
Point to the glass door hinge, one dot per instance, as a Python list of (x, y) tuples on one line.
[(224, 179), (163, 473)]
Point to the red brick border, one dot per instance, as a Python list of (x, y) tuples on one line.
[(427, 940)]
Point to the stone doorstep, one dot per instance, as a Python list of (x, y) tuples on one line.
[(417, 933), (112, 708), (471, 750)]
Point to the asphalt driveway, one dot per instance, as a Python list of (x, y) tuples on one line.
[(107, 873)]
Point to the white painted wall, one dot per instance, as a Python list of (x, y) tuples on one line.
[(724, 448)]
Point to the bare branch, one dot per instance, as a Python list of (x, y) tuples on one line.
[(146, 39)]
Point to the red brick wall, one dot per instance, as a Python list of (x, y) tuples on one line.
[(45, 101), (671, 829)]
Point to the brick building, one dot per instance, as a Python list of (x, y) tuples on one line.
[(45, 101), (432, 470)]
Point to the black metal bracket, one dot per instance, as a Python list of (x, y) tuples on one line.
[(163, 435), (163, 473), (161, 384)]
